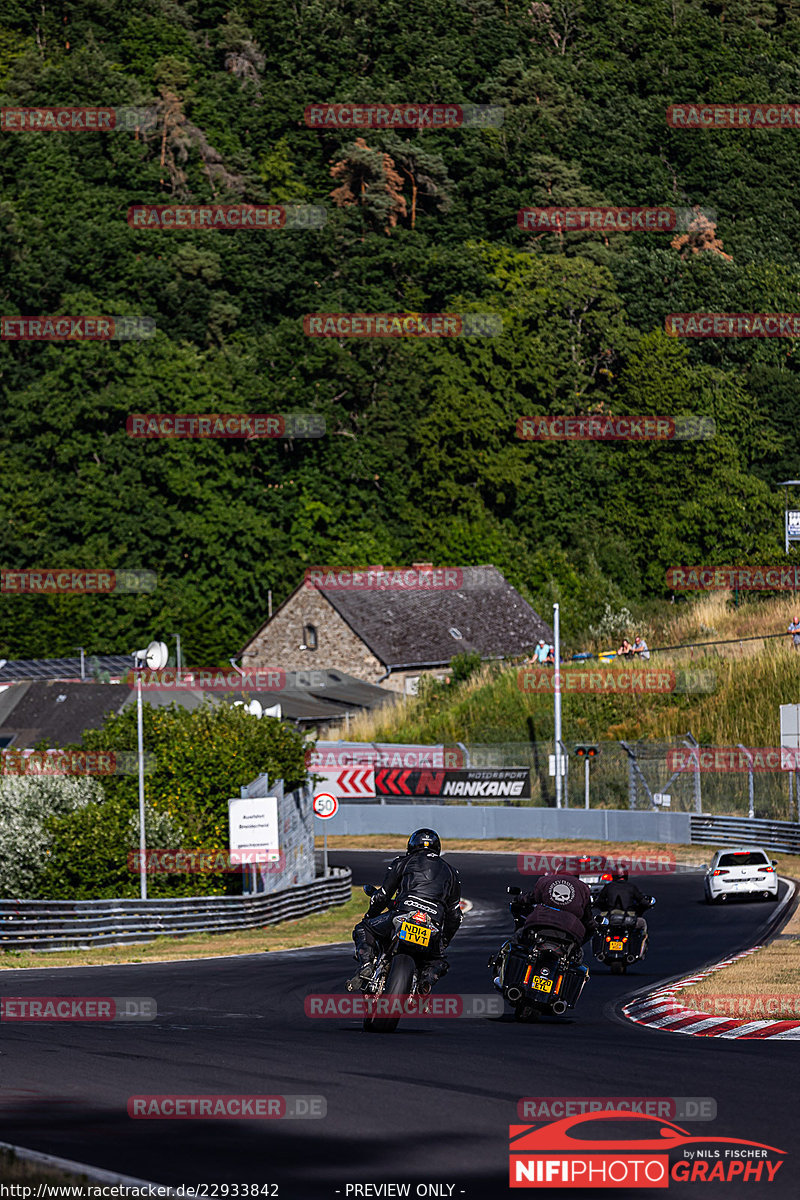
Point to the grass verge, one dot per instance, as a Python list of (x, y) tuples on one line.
[(334, 925)]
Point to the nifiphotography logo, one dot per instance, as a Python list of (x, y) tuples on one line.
[(590, 1151)]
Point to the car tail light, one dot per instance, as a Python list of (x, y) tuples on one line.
[(769, 870), (606, 878), (720, 872)]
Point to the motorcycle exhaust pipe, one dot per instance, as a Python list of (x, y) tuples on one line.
[(631, 957), (514, 994), (559, 1007)]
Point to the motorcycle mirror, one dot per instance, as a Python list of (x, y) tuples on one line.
[(369, 889), (514, 891)]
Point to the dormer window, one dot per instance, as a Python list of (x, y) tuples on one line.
[(456, 633), (310, 637)]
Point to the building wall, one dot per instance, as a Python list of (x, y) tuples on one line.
[(338, 648)]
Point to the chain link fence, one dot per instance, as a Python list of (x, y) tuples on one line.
[(639, 775)]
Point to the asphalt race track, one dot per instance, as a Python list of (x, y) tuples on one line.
[(429, 1104)]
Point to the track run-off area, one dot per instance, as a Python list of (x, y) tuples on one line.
[(429, 1105)]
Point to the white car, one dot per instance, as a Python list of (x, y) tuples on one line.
[(742, 871)]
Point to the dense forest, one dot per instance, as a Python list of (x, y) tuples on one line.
[(420, 461)]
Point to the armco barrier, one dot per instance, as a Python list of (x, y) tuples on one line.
[(490, 821), (746, 831), (82, 924)]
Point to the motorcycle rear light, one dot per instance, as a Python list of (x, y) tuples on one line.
[(606, 878), (558, 984), (527, 974)]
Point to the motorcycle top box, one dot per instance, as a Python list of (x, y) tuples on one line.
[(541, 977)]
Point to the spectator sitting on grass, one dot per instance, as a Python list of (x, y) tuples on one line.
[(640, 647), (625, 650)]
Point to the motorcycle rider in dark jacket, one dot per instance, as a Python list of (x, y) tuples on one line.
[(562, 902), (620, 894), (421, 879)]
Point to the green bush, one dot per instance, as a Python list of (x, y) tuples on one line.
[(202, 759)]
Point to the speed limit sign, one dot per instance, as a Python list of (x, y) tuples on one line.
[(325, 805)]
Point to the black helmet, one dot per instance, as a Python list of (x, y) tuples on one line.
[(620, 873), (424, 839)]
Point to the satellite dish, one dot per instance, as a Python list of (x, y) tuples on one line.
[(156, 655)]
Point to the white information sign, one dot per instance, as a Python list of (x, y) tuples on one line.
[(254, 829)]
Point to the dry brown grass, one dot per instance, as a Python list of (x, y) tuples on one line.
[(334, 925)]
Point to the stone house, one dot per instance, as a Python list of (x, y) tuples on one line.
[(393, 635)]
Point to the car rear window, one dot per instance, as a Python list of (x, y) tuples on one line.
[(747, 858)]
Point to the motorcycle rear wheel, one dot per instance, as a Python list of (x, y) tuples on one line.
[(398, 983)]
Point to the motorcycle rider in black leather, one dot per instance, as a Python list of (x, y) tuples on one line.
[(619, 894), (419, 875)]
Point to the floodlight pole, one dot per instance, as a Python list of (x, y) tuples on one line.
[(557, 699), (140, 736)]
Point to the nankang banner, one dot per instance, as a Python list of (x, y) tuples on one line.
[(511, 783)]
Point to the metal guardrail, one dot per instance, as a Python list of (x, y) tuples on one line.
[(81, 924), (746, 831)]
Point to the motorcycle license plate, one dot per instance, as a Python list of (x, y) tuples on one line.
[(409, 932), (615, 945), (542, 985)]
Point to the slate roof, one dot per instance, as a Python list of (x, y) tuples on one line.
[(59, 712), (56, 712), (412, 628), (62, 668)]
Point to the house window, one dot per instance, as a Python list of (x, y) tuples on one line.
[(310, 637), (412, 685), (456, 633)]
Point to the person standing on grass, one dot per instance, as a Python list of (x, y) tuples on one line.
[(794, 629)]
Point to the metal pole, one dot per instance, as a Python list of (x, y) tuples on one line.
[(325, 849), (791, 793), (749, 757), (142, 839), (557, 699), (586, 781), (269, 606), (178, 653), (83, 673), (694, 745)]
